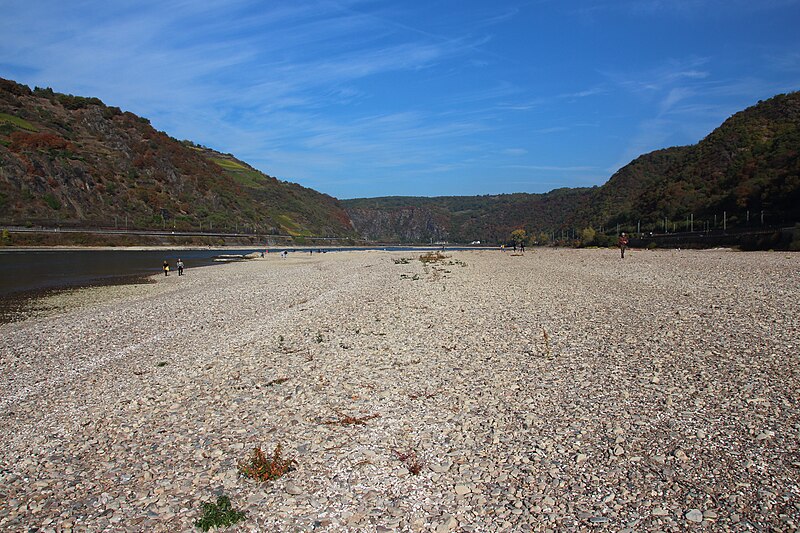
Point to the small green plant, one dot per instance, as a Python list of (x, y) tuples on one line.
[(219, 514), (161, 364), (277, 381), (5, 237), (318, 338), (401, 261), (266, 468)]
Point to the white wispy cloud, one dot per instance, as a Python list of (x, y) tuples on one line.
[(318, 90), (555, 168), (688, 9), (201, 66), (584, 94)]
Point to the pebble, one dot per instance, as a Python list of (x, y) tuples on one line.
[(448, 524), (479, 395), (293, 489)]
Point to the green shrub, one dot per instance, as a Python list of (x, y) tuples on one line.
[(52, 201), (219, 514)]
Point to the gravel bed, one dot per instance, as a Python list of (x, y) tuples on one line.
[(560, 390)]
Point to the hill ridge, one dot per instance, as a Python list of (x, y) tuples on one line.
[(747, 165), (68, 160)]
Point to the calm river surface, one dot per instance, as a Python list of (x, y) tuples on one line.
[(26, 271)]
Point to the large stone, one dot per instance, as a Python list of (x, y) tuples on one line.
[(448, 524)]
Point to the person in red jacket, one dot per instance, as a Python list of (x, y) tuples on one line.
[(622, 243)]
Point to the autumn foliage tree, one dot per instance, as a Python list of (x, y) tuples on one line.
[(588, 236), (519, 236)]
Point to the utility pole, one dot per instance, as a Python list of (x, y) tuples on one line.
[(692, 227), (724, 220)]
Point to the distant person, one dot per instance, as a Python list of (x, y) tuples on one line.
[(622, 243), (522, 247), (165, 266), (179, 264)]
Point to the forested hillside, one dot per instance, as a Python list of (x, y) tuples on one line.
[(69, 160), (745, 169)]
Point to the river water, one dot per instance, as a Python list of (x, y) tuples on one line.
[(26, 271), (28, 274)]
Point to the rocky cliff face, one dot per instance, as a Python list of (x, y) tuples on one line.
[(404, 225)]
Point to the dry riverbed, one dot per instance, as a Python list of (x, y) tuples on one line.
[(562, 390)]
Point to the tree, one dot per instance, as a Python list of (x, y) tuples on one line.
[(519, 236), (543, 238), (587, 236)]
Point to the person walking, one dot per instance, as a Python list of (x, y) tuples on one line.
[(179, 264), (165, 266), (623, 244)]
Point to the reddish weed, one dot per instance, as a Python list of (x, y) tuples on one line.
[(412, 461), (263, 468)]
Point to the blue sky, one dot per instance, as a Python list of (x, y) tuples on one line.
[(424, 98)]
